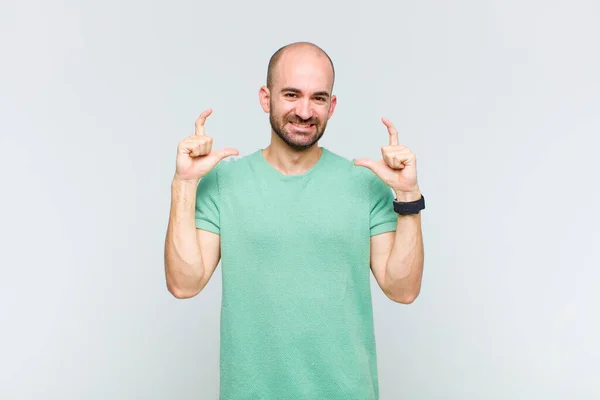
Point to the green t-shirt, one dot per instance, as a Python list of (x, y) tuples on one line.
[(296, 312)]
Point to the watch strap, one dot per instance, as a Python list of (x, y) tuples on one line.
[(409, 207)]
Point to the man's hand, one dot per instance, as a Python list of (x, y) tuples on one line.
[(398, 168), (195, 157)]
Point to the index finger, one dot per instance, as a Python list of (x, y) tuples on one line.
[(393, 132), (201, 120)]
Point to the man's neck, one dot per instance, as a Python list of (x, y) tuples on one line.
[(289, 161)]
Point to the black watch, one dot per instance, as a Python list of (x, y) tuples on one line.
[(409, 207)]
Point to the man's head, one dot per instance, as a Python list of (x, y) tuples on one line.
[(298, 94)]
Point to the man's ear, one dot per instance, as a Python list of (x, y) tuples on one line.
[(264, 96), (332, 105)]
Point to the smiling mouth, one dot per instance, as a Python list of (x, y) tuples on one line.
[(302, 126)]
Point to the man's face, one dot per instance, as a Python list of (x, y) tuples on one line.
[(300, 101)]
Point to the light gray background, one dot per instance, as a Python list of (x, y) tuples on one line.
[(498, 99)]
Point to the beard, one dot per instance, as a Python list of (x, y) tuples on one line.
[(292, 139)]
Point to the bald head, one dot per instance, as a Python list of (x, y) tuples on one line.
[(293, 52)]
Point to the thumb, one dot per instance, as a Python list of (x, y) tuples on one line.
[(227, 152), (374, 166), (365, 162)]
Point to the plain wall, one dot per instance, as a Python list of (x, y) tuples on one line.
[(499, 100)]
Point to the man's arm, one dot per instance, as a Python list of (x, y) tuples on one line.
[(397, 259), (191, 254)]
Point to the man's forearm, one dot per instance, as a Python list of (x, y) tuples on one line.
[(404, 269), (183, 261)]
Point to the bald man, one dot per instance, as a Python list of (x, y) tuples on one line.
[(298, 229)]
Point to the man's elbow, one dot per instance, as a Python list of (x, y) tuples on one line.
[(179, 292), (404, 297)]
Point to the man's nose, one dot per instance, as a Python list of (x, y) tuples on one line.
[(304, 109)]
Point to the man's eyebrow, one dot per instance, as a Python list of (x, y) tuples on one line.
[(290, 89), (295, 90), (322, 93)]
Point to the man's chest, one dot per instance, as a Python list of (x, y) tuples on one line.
[(302, 217)]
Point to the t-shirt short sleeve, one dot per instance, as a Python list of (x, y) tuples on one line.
[(207, 202), (383, 216)]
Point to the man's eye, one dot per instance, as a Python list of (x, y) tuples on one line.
[(290, 95)]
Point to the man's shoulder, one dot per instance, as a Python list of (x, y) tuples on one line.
[(336, 163), (233, 164), (345, 164)]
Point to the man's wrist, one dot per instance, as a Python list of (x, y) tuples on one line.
[(406, 197), (177, 180)]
